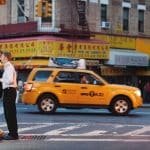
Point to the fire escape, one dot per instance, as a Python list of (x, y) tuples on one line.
[(82, 19)]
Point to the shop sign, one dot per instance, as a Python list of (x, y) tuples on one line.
[(143, 45), (118, 41), (112, 71), (51, 48), (131, 60), (82, 50), (20, 48)]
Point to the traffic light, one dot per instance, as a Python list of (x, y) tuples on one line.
[(2, 2), (48, 10), (39, 9), (44, 8)]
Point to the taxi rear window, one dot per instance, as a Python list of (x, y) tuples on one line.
[(42, 75)]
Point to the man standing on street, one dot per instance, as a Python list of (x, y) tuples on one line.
[(9, 85)]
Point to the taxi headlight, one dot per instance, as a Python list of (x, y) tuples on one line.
[(137, 92)]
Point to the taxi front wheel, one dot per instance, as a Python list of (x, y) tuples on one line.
[(47, 104), (120, 105)]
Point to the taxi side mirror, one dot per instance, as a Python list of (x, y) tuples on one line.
[(97, 82)]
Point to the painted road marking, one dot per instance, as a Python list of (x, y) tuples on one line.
[(92, 133), (1, 110), (63, 130), (2, 125), (34, 127), (138, 131)]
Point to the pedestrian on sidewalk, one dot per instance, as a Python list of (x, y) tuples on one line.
[(9, 85), (147, 92), (1, 90)]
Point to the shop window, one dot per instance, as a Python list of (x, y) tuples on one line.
[(125, 19), (141, 20)]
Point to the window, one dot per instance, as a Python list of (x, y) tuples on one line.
[(42, 75), (21, 16), (141, 21), (103, 12), (67, 77), (89, 78), (125, 19), (142, 2)]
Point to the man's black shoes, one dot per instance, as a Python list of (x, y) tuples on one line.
[(9, 137)]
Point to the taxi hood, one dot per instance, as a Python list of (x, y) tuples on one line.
[(122, 87)]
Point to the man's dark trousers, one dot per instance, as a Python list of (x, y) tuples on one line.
[(9, 101)]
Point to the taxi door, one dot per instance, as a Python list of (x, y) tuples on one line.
[(92, 93), (65, 87)]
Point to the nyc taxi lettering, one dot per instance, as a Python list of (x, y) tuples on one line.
[(92, 94), (66, 91)]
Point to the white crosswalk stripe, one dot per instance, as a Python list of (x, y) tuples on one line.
[(1, 110), (33, 127), (138, 131), (62, 130), (2, 125)]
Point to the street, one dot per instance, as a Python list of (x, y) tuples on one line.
[(79, 129)]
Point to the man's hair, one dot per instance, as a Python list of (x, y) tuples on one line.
[(7, 54)]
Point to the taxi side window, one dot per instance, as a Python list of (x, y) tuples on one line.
[(42, 75), (89, 77), (64, 76)]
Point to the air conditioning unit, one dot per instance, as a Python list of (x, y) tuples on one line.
[(105, 25)]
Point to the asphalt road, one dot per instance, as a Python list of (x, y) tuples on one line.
[(79, 129)]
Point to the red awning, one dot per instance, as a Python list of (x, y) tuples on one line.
[(54, 38)]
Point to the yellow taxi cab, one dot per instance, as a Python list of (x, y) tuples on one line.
[(50, 88)]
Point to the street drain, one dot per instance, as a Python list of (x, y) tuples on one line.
[(33, 137)]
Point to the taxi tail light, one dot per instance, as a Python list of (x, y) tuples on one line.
[(28, 86)]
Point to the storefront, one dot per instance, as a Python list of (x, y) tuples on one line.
[(126, 63), (118, 75), (128, 53), (35, 51)]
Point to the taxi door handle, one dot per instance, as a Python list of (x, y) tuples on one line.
[(83, 87)]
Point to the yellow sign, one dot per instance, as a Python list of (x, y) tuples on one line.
[(55, 48), (143, 45), (109, 71), (112, 71), (82, 50), (20, 48), (118, 41)]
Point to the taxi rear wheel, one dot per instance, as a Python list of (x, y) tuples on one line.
[(47, 104), (121, 105)]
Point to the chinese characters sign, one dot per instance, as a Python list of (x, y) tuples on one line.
[(56, 48), (118, 41)]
